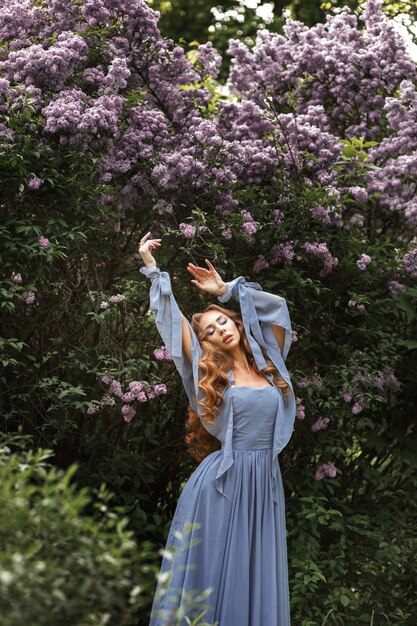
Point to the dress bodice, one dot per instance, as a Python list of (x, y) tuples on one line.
[(255, 410)]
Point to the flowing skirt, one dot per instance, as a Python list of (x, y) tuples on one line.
[(226, 555)]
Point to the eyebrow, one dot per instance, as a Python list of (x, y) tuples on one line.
[(217, 319)]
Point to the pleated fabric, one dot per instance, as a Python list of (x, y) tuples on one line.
[(226, 553)]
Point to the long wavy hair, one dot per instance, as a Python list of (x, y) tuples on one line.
[(214, 365)]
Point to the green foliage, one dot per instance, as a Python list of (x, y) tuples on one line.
[(67, 556)]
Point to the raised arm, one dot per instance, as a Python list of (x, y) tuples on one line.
[(266, 310), (175, 330), (264, 315), (146, 247)]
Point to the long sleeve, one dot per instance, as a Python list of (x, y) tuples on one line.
[(168, 320)]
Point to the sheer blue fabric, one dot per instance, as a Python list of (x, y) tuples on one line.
[(233, 504)]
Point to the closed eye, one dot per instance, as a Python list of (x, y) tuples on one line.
[(221, 320)]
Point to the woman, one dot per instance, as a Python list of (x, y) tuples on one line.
[(226, 555)]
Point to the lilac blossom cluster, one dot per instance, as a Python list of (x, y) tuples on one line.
[(34, 183), (47, 68), (16, 277), (321, 251), (395, 287), (300, 412), (320, 424), (139, 391), (364, 261), (326, 469), (188, 230), (116, 299), (260, 264), (305, 382), (43, 242), (209, 60), (282, 253), (162, 354), (339, 79), (382, 382), (249, 227), (354, 304), (347, 80), (410, 262)]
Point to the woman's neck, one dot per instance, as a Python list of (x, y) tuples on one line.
[(242, 366)]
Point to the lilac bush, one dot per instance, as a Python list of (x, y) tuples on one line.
[(298, 173)]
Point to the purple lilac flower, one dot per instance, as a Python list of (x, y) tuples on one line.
[(150, 394), (278, 217), (300, 409), (93, 409), (260, 264), (282, 253), (159, 389), (359, 193), (128, 412), (106, 379), (128, 396), (117, 298), (356, 220), (353, 304), (136, 386), (34, 183), (321, 213), (141, 396), (108, 400), (364, 260), (320, 424), (358, 406), (395, 287), (50, 67), (187, 230), (116, 388), (226, 233), (30, 297), (17, 277), (410, 262), (317, 379), (117, 76), (294, 336), (247, 216), (303, 383), (249, 228), (162, 354), (346, 395), (321, 250), (326, 469), (43, 242), (104, 304), (209, 59)]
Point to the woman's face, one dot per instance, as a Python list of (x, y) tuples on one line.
[(219, 330)]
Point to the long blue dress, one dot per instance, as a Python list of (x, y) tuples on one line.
[(226, 553)]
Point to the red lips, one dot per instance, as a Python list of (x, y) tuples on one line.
[(227, 337)]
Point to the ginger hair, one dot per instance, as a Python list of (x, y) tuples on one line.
[(214, 364)]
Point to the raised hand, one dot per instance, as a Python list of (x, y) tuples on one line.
[(146, 246), (207, 280)]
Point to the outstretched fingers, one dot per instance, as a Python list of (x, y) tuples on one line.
[(210, 265), (197, 271)]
